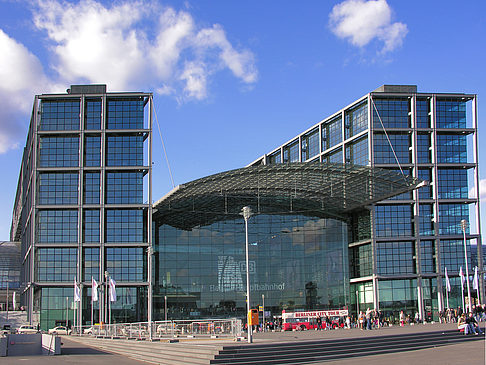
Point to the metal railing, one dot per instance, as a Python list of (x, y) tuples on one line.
[(209, 328)]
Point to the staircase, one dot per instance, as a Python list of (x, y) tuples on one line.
[(326, 350), (291, 352)]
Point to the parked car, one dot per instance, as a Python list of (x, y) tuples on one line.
[(60, 330), (94, 330), (6, 329), (27, 328)]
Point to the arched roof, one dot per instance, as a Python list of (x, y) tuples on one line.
[(317, 189)]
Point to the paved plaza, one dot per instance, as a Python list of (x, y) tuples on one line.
[(469, 352)]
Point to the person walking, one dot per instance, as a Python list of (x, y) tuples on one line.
[(402, 319)]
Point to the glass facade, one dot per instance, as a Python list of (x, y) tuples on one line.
[(98, 143), (297, 262), (431, 137)]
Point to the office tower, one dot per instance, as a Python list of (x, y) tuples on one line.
[(400, 248), (83, 204)]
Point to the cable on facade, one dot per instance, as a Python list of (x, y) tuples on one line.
[(163, 146), (388, 138)]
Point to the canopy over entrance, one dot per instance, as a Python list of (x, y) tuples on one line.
[(316, 189)]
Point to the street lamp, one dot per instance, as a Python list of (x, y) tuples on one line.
[(247, 213), (464, 226)]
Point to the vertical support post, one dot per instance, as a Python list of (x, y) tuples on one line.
[(246, 212), (464, 226)]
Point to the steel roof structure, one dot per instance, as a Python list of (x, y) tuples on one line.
[(313, 189)]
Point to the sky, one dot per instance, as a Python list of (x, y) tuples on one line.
[(232, 80)]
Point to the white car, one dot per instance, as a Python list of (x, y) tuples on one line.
[(27, 329), (60, 330)]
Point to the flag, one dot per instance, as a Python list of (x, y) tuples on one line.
[(76, 292), (475, 281), (448, 283), (14, 301), (461, 274), (94, 290), (112, 290)]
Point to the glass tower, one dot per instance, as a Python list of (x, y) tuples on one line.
[(82, 208), (400, 248)]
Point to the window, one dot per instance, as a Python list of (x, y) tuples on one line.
[(126, 263), (291, 152), (452, 255), (360, 261), (56, 264), (393, 113), (384, 153), (425, 192), (59, 115), (92, 151), (310, 145), (451, 113), (395, 258), (427, 256), (125, 114), (422, 111), (275, 158), (124, 151), (91, 263), (124, 187), (125, 225), (426, 217), (57, 226), (91, 226), (356, 120), (423, 148), (452, 183), (335, 156), (92, 188), (59, 152), (451, 148), (332, 133), (394, 220), (93, 114), (357, 152), (58, 188), (450, 216)]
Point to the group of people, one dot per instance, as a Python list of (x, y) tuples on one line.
[(468, 324)]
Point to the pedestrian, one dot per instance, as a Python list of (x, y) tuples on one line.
[(402, 319), (368, 319), (472, 324), (361, 320)]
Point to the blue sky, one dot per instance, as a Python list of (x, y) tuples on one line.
[(231, 79)]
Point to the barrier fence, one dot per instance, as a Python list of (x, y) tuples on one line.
[(231, 327)]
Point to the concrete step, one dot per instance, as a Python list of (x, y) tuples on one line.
[(156, 352), (333, 350)]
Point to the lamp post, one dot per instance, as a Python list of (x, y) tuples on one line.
[(464, 226), (247, 213), (165, 308)]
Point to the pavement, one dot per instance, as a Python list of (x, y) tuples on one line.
[(468, 352)]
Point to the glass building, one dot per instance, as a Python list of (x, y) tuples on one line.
[(403, 245), (10, 268), (82, 206), (304, 217)]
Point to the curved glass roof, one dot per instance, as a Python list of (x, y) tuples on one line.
[(317, 189)]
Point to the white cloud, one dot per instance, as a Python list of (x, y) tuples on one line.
[(137, 44), (362, 21), (21, 75), (482, 191), (130, 45)]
